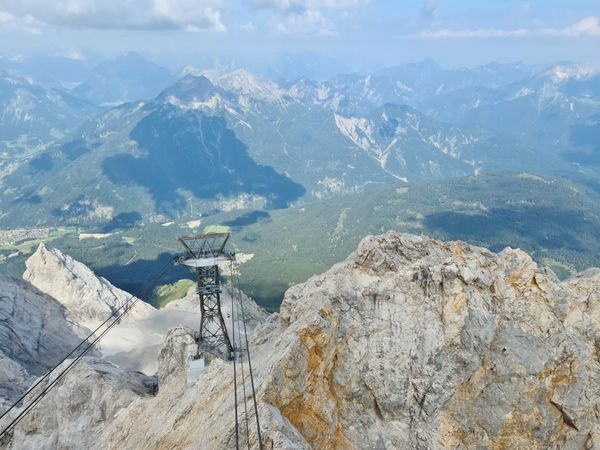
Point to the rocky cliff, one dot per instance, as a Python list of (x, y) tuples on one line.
[(409, 343), (89, 300), (88, 297), (36, 332)]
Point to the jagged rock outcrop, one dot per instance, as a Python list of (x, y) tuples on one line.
[(409, 343), (173, 357), (94, 391), (438, 345), (90, 298), (35, 334)]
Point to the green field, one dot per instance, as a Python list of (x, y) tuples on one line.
[(168, 292), (556, 222)]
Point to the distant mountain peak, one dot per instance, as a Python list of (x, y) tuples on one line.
[(126, 78), (248, 85), (561, 73), (429, 63), (192, 88)]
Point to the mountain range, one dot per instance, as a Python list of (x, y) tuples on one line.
[(37, 113), (216, 141), (229, 147), (111, 161)]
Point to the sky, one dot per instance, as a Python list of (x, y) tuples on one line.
[(362, 34)]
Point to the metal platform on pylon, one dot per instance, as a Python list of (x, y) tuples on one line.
[(203, 254)]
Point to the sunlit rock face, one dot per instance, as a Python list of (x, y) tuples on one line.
[(87, 296), (429, 344), (35, 333), (409, 343), (89, 300), (80, 406)]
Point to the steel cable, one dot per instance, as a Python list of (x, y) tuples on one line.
[(231, 292), (122, 310), (235, 401), (249, 361)]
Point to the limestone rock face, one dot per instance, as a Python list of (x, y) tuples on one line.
[(409, 343), (35, 334), (80, 409), (438, 345), (90, 298), (174, 355)]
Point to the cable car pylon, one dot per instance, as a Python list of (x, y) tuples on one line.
[(203, 254)]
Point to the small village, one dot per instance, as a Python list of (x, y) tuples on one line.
[(16, 236)]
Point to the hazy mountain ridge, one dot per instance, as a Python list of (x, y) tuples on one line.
[(108, 155), (411, 84), (38, 113), (305, 148), (539, 106), (412, 146), (568, 91), (127, 78)]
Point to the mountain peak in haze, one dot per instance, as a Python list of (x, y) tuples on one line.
[(428, 64), (128, 77), (193, 88)]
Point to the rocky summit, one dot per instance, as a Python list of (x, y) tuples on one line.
[(89, 297), (408, 343)]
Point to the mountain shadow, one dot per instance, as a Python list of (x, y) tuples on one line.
[(139, 277), (123, 221), (247, 219), (584, 136), (76, 148), (41, 163), (194, 152), (545, 227)]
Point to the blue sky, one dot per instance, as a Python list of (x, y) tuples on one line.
[(361, 33)]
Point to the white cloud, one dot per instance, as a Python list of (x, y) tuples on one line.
[(303, 5), (430, 8), (310, 21), (305, 16), (26, 23), (248, 27), (193, 15), (72, 54), (477, 33), (588, 27)]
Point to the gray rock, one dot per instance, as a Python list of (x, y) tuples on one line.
[(409, 343), (88, 297), (89, 300), (79, 410), (36, 332)]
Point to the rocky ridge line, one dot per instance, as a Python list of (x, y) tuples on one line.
[(409, 343)]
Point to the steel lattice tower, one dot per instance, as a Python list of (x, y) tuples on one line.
[(203, 254)]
